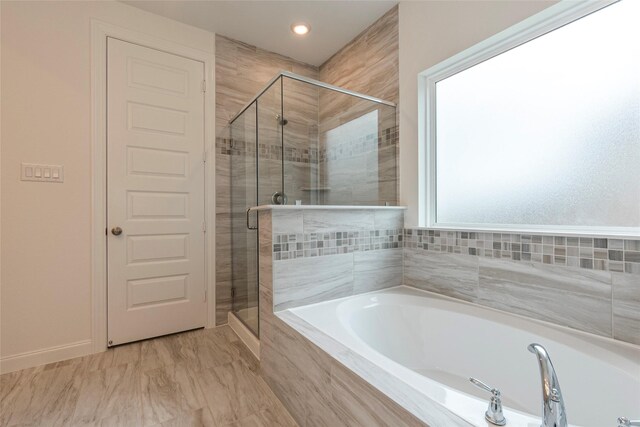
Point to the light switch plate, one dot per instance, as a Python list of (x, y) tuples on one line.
[(41, 173)]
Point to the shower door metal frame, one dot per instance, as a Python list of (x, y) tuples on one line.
[(280, 76), (249, 228), (314, 82)]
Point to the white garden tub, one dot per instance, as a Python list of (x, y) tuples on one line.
[(435, 344)]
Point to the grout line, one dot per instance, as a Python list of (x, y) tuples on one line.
[(579, 252), (613, 333)]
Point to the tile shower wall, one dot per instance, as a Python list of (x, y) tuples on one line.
[(368, 64), (241, 71), (589, 284), (342, 252)]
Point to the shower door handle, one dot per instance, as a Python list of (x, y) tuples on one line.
[(249, 227)]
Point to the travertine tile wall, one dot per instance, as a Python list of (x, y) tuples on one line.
[(314, 383), (368, 64), (321, 382), (589, 284), (319, 256), (241, 71), (368, 165)]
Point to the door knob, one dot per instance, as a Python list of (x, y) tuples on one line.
[(116, 231)]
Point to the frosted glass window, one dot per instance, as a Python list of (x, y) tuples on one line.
[(547, 133)]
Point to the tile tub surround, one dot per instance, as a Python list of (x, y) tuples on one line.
[(608, 254), (323, 383), (321, 253), (291, 246), (586, 283), (317, 387)]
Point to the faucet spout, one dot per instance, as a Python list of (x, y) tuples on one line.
[(553, 410)]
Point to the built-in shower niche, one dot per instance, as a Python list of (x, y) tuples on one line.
[(302, 141)]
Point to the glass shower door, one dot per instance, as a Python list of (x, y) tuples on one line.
[(244, 240), (256, 179), (301, 140)]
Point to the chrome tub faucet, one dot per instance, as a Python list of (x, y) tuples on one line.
[(494, 412), (553, 410)]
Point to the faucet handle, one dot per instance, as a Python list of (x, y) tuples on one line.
[(494, 413), (484, 386), (626, 422)]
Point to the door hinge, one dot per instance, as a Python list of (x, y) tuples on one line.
[(204, 226), (204, 157), (204, 86)]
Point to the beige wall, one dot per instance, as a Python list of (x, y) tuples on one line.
[(431, 32), (46, 105)]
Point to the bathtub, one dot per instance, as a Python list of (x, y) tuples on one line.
[(434, 344)]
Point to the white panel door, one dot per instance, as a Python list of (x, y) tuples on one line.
[(155, 193)]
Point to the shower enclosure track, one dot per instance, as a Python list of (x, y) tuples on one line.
[(313, 82)]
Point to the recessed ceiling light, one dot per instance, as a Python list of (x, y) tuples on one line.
[(300, 28)]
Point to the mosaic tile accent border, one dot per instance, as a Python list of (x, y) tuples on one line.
[(619, 255), (266, 151), (364, 144), (292, 246)]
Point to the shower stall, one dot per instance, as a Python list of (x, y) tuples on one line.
[(301, 141)]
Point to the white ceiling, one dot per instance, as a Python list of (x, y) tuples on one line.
[(266, 24)]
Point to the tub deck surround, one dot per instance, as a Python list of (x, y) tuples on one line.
[(419, 348), (315, 388), (322, 382), (346, 367), (586, 283)]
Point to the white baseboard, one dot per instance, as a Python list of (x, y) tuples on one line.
[(47, 355), (245, 335)]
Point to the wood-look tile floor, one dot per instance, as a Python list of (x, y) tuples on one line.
[(198, 378)]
